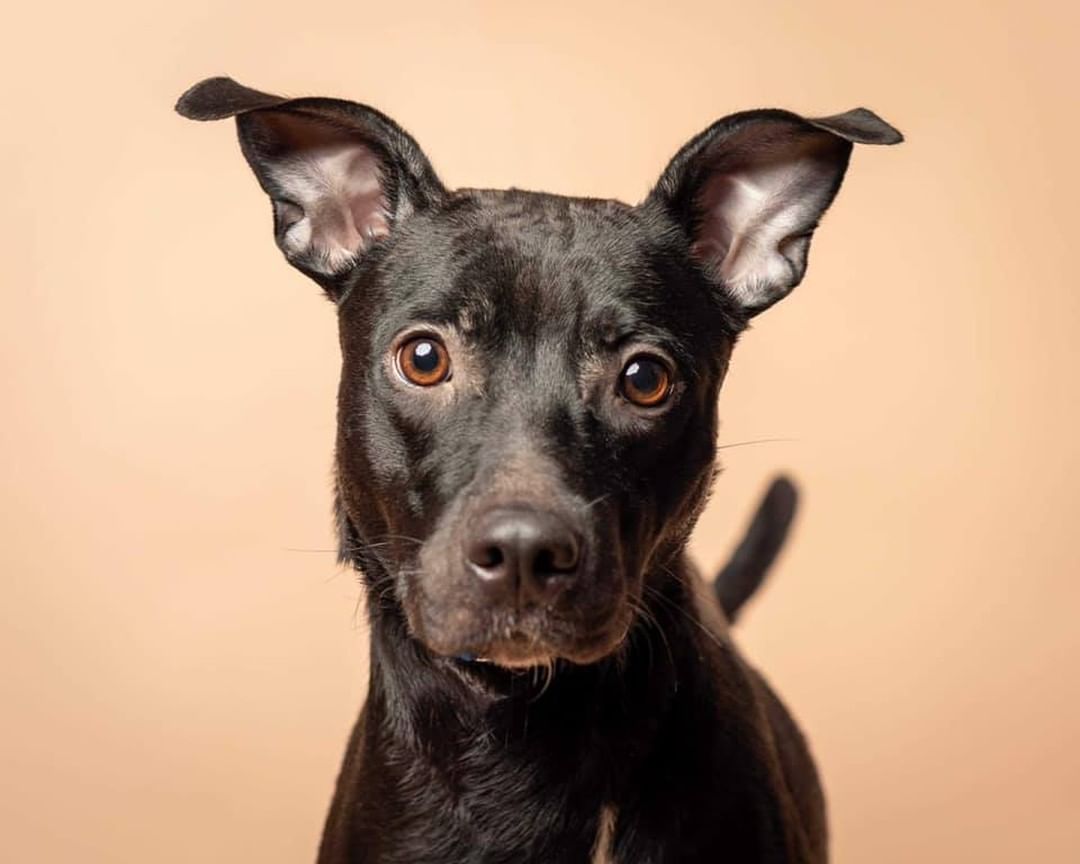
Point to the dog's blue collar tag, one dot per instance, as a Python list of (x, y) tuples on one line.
[(471, 658)]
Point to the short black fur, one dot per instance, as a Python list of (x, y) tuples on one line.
[(594, 709)]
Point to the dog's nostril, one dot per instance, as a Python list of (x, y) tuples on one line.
[(544, 562), (488, 557), (558, 557)]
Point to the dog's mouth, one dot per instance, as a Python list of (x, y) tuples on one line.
[(517, 639), (516, 652), (517, 645)]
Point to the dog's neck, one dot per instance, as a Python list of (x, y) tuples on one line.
[(486, 739), (487, 699)]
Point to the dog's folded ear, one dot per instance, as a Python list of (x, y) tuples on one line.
[(750, 190), (340, 175)]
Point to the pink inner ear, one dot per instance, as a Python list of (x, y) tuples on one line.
[(756, 216), (713, 238), (339, 189), (331, 183)]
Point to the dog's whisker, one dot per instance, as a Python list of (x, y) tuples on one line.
[(753, 441), (347, 550), (653, 620), (405, 537), (686, 614), (640, 610), (599, 499)]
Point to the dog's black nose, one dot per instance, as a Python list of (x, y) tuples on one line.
[(523, 554)]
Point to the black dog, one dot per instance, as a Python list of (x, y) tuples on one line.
[(526, 436)]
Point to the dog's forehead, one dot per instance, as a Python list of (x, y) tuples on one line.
[(543, 222), (495, 261)]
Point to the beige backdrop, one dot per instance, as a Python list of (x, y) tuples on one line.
[(182, 658)]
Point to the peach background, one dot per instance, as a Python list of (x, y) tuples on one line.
[(182, 659)]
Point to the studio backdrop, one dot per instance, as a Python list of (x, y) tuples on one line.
[(183, 659)]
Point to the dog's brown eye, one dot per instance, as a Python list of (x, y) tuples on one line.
[(423, 361), (646, 381)]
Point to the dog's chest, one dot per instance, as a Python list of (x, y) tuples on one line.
[(605, 832)]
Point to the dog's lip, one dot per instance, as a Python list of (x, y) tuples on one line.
[(515, 651), (523, 664), (519, 650), (516, 639)]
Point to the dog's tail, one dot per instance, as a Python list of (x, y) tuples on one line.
[(749, 563)]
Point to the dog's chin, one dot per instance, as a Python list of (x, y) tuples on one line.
[(534, 647), (511, 656)]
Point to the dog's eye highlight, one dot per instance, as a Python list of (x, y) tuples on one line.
[(424, 361), (645, 381)]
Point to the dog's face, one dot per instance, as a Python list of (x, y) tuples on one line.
[(527, 418), (527, 406)]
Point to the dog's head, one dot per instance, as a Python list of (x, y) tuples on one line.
[(527, 411)]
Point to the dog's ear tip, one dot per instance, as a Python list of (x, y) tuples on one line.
[(219, 97), (861, 126), (886, 133), (193, 103)]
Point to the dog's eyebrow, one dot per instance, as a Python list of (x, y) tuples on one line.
[(617, 328), (663, 340), (461, 317)]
